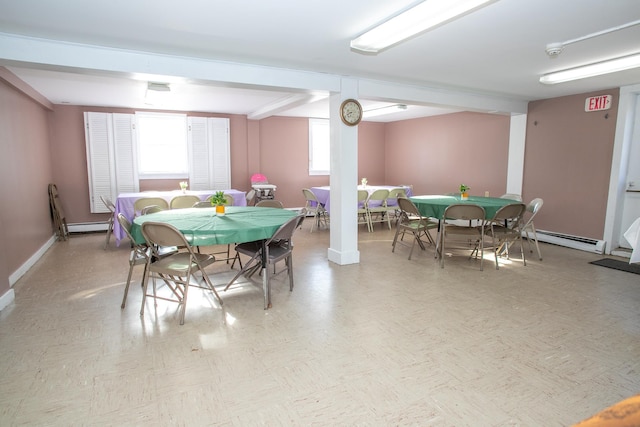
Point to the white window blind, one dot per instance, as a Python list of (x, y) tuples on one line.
[(209, 153), (110, 143)]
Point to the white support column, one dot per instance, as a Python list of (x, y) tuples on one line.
[(515, 165), (343, 242)]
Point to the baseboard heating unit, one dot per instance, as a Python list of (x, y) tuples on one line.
[(87, 227), (574, 242)]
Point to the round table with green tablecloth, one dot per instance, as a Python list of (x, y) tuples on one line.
[(203, 227), (434, 205)]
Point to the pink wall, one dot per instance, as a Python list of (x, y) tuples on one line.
[(25, 172), (568, 163), (437, 154), (371, 153)]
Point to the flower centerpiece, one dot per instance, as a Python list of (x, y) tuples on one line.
[(364, 182), (219, 200), (464, 192), (183, 186)]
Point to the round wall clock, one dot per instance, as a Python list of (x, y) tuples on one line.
[(350, 112)]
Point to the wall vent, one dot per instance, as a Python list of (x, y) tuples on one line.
[(574, 242)]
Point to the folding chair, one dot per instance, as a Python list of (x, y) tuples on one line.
[(278, 247), (177, 269)]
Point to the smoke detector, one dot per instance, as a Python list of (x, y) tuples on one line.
[(554, 49)]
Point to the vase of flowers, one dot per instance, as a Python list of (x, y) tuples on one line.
[(219, 200), (364, 182), (464, 192), (183, 186)]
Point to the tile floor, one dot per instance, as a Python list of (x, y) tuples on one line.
[(385, 342)]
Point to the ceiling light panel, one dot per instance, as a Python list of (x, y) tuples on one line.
[(411, 22), (592, 70)]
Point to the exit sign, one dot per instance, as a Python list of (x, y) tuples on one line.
[(597, 103)]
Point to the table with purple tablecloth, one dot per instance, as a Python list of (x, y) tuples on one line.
[(323, 193), (125, 201)]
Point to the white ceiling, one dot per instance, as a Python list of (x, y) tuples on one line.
[(498, 50)]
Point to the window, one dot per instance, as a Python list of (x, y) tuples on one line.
[(162, 145), (319, 147), (200, 152)]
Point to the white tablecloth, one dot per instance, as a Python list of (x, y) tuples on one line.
[(633, 237)]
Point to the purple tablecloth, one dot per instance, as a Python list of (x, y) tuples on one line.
[(323, 193)]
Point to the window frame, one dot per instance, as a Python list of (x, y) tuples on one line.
[(314, 127)]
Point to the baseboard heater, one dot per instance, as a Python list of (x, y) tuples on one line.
[(574, 242), (87, 227)]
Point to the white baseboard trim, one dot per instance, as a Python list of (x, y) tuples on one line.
[(7, 299), (85, 227), (16, 275)]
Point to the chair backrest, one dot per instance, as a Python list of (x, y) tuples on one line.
[(183, 201), (394, 193), (202, 204), (151, 209), (125, 224), (309, 196), (285, 232), (140, 250), (512, 196), (465, 211), (532, 209), (108, 203), (534, 206), (510, 215), (363, 195), (379, 195), (141, 203), (270, 203), (250, 195), (160, 234), (408, 206)]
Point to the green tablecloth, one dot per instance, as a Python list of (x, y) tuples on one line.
[(203, 227), (434, 206)]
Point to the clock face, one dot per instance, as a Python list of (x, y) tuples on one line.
[(351, 112)]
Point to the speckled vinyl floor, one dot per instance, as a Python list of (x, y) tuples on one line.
[(385, 342)]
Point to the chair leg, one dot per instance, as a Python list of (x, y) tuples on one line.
[(109, 232), (413, 244), (183, 309), (145, 286), (535, 239), (289, 262), (208, 282), (126, 287), (265, 288), (395, 239)]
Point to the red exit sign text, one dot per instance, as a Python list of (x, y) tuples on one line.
[(597, 103)]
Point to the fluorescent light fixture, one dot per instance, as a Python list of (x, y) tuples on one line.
[(411, 22), (389, 109), (592, 70)]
